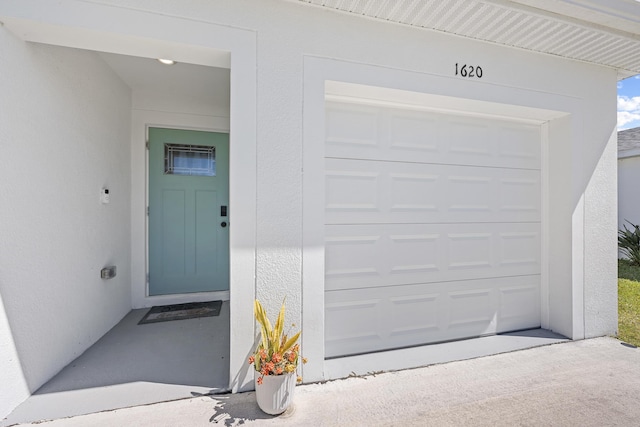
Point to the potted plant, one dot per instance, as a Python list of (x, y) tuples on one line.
[(276, 363)]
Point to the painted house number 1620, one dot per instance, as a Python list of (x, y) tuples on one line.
[(470, 71)]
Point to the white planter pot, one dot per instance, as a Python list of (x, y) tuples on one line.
[(275, 394)]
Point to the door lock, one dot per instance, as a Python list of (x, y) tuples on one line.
[(223, 224)]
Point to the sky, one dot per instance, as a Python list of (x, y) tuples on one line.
[(629, 103)]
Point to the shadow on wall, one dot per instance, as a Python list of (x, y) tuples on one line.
[(56, 236)]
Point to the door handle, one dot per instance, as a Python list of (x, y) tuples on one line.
[(223, 224)]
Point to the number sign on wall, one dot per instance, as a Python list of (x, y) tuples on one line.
[(469, 71)]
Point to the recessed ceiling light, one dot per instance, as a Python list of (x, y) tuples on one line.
[(166, 61)]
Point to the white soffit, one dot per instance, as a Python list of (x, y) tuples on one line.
[(595, 31)]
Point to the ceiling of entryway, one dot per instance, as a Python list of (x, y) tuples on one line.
[(597, 31), (189, 81)]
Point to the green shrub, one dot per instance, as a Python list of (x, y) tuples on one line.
[(629, 243), (628, 271)]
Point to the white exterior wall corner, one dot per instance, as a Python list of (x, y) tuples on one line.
[(599, 180), (601, 286), (64, 130)]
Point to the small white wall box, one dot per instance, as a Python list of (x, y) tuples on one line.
[(108, 272), (104, 195)]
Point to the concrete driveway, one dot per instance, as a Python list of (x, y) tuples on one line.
[(594, 382)]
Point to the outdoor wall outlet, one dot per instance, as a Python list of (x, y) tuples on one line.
[(108, 272)]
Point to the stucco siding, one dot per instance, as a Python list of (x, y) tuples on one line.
[(64, 132), (601, 268)]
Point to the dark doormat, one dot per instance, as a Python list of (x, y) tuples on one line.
[(165, 313)]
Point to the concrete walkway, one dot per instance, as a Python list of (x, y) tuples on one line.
[(593, 382), (135, 365)]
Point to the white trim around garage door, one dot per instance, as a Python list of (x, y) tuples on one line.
[(328, 78)]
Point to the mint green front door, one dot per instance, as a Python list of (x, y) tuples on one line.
[(188, 211)]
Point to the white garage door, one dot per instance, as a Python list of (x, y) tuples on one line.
[(432, 225)]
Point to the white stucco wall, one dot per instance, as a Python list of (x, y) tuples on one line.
[(580, 170), (628, 191), (600, 241), (64, 133)]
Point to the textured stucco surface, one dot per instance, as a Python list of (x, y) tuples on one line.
[(64, 130), (601, 268)]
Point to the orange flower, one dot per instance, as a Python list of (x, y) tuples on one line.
[(263, 354), (279, 370), (252, 359), (259, 380), (276, 358), (269, 366), (291, 357)]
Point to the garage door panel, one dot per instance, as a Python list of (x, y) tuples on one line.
[(519, 143), (360, 256), (519, 248), (414, 132), (414, 314), (519, 306), (470, 251), (355, 128), (363, 191), (519, 194), (355, 321), (355, 190), (432, 226), (470, 141), (353, 257), (377, 133), (413, 195), (417, 314), (470, 191), (472, 308), (414, 253)]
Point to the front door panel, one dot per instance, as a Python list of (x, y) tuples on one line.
[(188, 234)]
